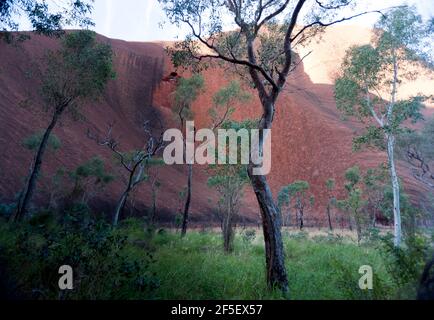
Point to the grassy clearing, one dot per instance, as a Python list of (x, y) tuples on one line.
[(319, 267), (197, 268)]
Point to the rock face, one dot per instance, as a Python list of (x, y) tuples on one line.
[(309, 140)]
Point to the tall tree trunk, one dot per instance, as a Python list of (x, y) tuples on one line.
[(396, 191), (120, 207), (27, 194), (329, 217), (133, 180), (271, 225), (301, 219), (228, 232), (271, 222), (187, 201)]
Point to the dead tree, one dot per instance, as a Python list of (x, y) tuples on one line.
[(133, 163)]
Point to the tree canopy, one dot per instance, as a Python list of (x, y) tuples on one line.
[(44, 18)]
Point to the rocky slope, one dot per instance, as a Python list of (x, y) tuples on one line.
[(310, 141)]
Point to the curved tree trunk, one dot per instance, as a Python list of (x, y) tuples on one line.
[(396, 191), (120, 207), (133, 180), (27, 194), (228, 230), (301, 219), (274, 252), (187, 201), (271, 222), (329, 217)]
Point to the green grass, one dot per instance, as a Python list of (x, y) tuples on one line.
[(195, 267)]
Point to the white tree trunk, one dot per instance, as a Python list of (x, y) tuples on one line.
[(396, 191), (119, 207)]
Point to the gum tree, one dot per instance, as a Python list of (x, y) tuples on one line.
[(78, 71), (299, 194), (229, 181), (354, 202), (186, 93), (88, 179), (45, 18), (377, 69), (134, 164), (375, 181), (265, 59), (330, 186), (284, 206)]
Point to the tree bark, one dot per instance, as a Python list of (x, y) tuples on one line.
[(301, 210), (271, 222), (187, 201), (133, 180), (27, 194), (120, 207), (329, 217), (396, 190), (228, 232), (274, 252)]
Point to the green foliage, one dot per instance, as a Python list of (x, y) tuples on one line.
[(196, 268), (375, 182), (411, 214), (224, 101), (34, 141), (330, 184), (187, 91), (403, 28), (352, 175), (127, 263), (298, 188), (79, 70), (44, 18), (283, 198), (248, 236), (101, 258), (295, 195), (227, 95), (178, 220), (354, 201), (369, 71), (230, 178), (89, 178), (406, 263), (373, 137), (264, 34), (93, 168)]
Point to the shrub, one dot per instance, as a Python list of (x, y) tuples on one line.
[(248, 236), (103, 265), (406, 263)]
